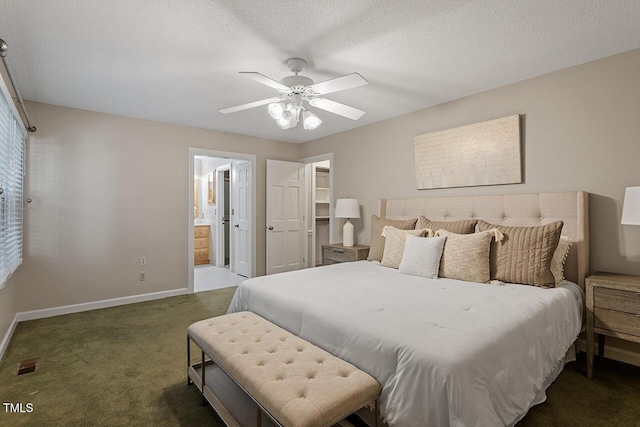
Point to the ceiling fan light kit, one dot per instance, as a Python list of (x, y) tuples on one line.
[(295, 90), (276, 109), (310, 120)]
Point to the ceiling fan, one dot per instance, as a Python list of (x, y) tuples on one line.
[(295, 90)]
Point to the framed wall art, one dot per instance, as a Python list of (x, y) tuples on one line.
[(486, 153)]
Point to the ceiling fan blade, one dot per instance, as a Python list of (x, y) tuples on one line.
[(340, 83), (261, 78), (337, 108), (250, 105)]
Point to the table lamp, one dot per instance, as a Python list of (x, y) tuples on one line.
[(347, 208), (631, 206)]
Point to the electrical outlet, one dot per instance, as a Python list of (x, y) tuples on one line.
[(143, 276), (143, 260)]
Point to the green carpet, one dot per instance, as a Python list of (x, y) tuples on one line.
[(126, 366), (119, 366)]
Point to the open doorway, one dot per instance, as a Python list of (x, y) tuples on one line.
[(222, 226), (319, 205), (223, 250)]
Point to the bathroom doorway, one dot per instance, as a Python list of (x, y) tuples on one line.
[(223, 249), (222, 229)]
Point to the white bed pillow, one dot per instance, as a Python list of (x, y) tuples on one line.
[(394, 244), (559, 258), (422, 255)]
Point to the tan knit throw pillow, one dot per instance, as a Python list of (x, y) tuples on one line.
[(466, 256), (394, 244), (376, 243)]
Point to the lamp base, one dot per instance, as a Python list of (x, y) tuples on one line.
[(347, 234)]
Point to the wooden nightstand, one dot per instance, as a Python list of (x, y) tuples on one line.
[(336, 253), (613, 309)]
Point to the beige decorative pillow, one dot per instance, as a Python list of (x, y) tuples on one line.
[(559, 258), (465, 226), (466, 256), (394, 244), (524, 255), (376, 244)]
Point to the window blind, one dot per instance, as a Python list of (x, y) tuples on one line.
[(12, 157)]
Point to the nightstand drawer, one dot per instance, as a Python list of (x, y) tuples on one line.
[(617, 321), (619, 300), (338, 255)]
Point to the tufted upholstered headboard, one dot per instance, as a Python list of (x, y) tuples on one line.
[(530, 209)]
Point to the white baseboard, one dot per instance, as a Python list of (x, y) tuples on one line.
[(76, 308), (615, 353), (7, 337)]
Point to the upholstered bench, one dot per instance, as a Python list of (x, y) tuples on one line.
[(292, 381)]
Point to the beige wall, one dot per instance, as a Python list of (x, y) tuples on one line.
[(581, 130), (106, 190)]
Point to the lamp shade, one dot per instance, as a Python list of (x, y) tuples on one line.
[(347, 208), (631, 206)]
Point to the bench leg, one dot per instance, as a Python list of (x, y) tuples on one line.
[(204, 399), (189, 382), (377, 412)]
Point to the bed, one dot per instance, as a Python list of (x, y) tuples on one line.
[(446, 352)]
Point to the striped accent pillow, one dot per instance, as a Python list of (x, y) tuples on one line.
[(465, 226), (524, 255)]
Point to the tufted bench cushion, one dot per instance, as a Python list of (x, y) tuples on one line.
[(296, 382)]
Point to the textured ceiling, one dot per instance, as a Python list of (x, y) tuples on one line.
[(178, 61)]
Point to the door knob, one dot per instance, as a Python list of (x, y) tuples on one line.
[(270, 228), (237, 226)]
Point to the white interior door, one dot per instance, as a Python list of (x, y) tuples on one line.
[(286, 229), (240, 216)]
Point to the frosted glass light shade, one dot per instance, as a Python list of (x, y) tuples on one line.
[(347, 208), (276, 109), (631, 206), (284, 121), (310, 121)]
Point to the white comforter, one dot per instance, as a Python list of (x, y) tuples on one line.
[(447, 352)]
